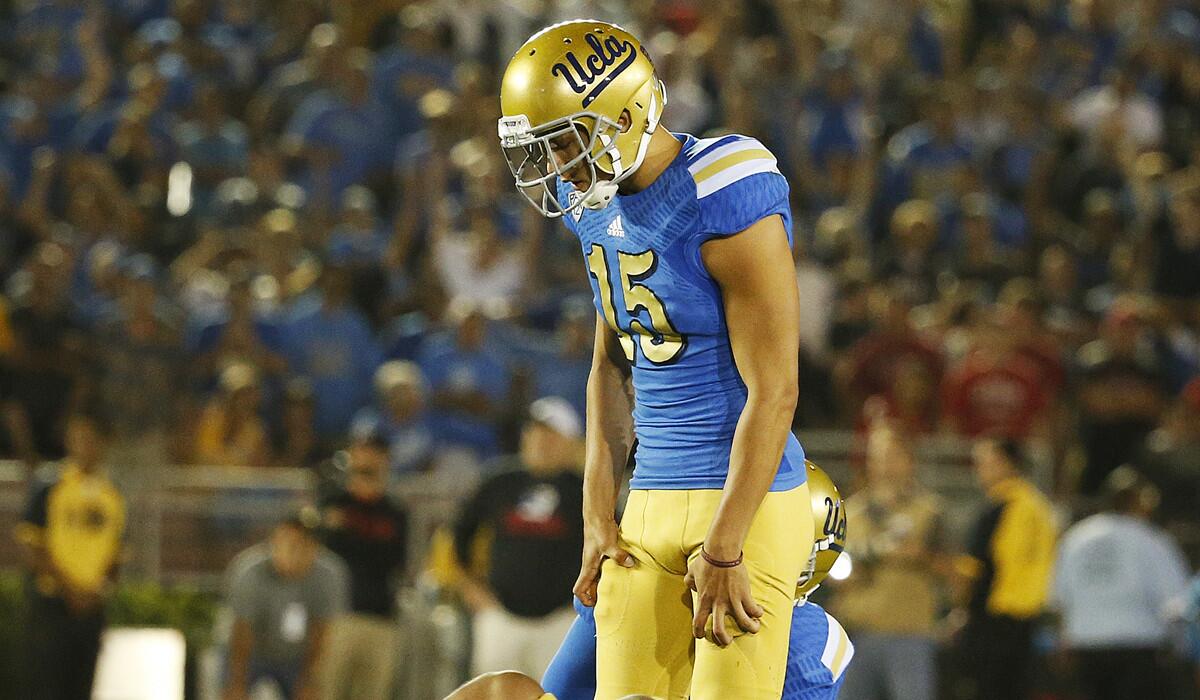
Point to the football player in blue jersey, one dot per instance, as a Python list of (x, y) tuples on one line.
[(688, 246), (819, 649)]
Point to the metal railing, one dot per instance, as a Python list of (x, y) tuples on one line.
[(186, 524)]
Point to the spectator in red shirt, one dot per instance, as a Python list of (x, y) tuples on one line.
[(872, 367), (1020, 310), (994, 390)]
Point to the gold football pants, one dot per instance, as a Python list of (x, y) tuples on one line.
[(644, 613)]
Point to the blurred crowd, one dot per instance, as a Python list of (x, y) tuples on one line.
[(248, 227), (255, 232)]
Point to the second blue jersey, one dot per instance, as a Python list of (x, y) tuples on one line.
[(651, 286)]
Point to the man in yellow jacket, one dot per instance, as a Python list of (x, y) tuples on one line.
[(70, 536), (1009, 564)]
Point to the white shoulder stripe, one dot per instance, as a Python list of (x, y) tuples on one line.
[(734, 173), (702, 144), (838, 648), (716, 154)]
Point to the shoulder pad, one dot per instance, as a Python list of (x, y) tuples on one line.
[(719, 162)]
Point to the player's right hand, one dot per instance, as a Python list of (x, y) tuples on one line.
[(600, 540)]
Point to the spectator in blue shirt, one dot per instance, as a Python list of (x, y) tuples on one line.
[(330, 343), (214, 144), (239, 37), (240, 334), (559, 362), (835, 122), (927, 159), (399, 416), (469, 380), (288, 85), (412, 67), (359, 239), (346, 136)]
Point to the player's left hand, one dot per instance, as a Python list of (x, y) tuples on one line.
[(721, 592)]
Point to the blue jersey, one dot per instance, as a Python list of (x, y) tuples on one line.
[(818, 654), (650, 285)]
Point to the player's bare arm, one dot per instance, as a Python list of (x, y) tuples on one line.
[(762, 311), (608, 440)]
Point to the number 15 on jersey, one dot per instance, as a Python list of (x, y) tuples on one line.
[(660, 343)]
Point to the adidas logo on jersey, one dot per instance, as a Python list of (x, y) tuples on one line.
[(615, 229)]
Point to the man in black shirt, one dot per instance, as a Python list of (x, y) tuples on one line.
[(369, 532), (1121, 388), (38, 378), (534, 513)]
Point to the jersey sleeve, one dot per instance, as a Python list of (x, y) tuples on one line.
[(738, 183)]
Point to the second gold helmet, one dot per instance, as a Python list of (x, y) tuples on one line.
[(829, 520)]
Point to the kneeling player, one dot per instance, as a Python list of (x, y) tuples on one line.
[(818, 651), (509, 685)]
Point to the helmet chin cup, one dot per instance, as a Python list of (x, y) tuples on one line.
[(600, 194)]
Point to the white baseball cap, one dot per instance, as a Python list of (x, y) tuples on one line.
[(557, 414)]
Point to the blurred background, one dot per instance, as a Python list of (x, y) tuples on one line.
[(274, 318)]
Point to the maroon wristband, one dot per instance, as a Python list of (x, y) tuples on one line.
[(718, 563)]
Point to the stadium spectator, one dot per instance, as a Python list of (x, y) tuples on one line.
[(140, 346), (370, 533), (329, 342), (240, 333), (400, 416), (534, 509), (1170, 459), (930, 157), (298, 442), (891, 604), (994, 390), (469, 382), (908, 256), (895, 363), (1175, 240), (1020, 313), (231, 431), (412, 66), (344, 134), (1119, 100), (475, 264), (1008, 565), (1122, 392), (283, 593), (1116, 575), (215, 145), (40, 368), (560, 363), (71, 536)]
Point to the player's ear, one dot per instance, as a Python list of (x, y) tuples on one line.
[(625, 121)]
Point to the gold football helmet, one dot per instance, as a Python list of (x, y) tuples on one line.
[(829, 521), (562, 97)]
